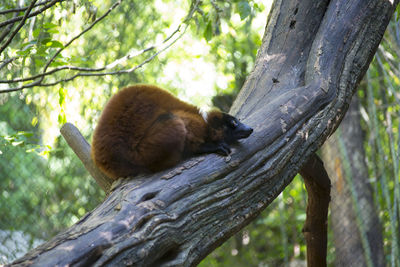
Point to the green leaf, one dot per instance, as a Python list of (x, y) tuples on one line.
[(53, 31), (57, 44), (17, 143), (208, 32), (57, 63), (28, 44), (39, 61), (45, 154), (61, 96), (26, 134), (36, 32), (258, 7), (62, 119), (244, 9), (34, 121), (49, 25), (54, 43), (9, 138), (30, 150), (23, 52), (41, 51), (45, 40)]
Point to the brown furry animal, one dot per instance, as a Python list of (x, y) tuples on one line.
[(144, 128)]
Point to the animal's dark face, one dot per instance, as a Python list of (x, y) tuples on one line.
[(234, 129), (228, 128)]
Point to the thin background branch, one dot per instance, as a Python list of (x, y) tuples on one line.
[(28, 11), (47, 6), (83, 71), (16, 10)]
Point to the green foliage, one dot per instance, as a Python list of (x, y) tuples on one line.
[(397, 13), (381, 101), (243, 9), (62, 119), (42, 191), (273, 239), (208, 32), (209, 17), (233, 37)]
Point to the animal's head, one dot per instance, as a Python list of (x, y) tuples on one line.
[(226, 127)]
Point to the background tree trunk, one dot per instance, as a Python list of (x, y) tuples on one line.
[(357, 232), (312, 57)]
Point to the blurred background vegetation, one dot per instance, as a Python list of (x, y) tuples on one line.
[(44, 187)]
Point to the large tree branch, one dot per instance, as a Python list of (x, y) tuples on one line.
[(312, 56)]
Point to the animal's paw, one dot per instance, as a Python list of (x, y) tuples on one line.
[(223, 149)]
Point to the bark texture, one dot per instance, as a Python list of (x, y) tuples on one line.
[(312, 56), (354, 220), (318, 186)]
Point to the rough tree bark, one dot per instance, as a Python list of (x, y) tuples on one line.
[(311, 59), (357, 232)]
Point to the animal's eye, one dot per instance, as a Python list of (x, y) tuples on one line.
[(233, 124)]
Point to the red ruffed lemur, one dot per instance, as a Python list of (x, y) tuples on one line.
[(146, 129)]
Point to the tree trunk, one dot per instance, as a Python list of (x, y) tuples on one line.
[(354, 220), (315, 228), (311, 59)]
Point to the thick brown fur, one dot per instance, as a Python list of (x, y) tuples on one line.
[(144, 128)]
